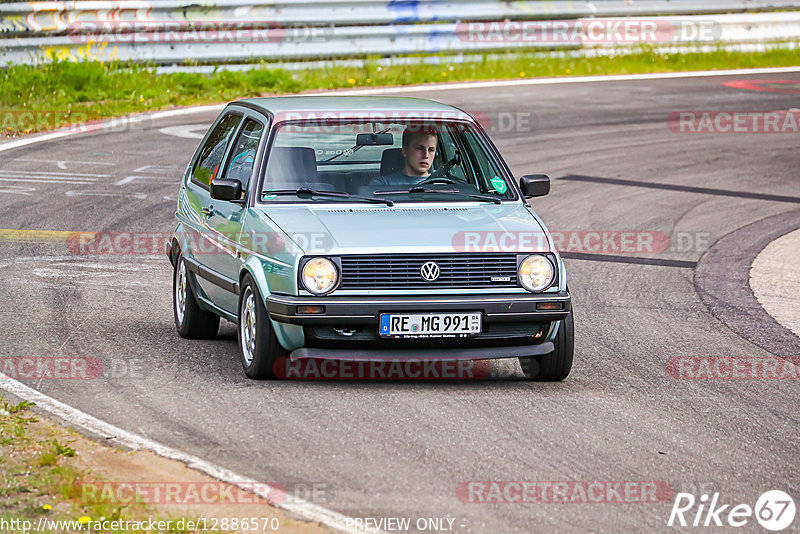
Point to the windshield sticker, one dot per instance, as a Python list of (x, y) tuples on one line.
[(499, 185)]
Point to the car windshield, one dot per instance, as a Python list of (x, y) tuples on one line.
[(398, 160)]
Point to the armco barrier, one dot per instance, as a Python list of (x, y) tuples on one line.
[(169, 32), (38, 17)]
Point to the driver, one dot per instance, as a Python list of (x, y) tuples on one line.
[(419, 148)]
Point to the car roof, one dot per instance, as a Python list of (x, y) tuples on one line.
[(387, 104)]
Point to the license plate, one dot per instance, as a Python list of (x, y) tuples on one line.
[(462, 324)]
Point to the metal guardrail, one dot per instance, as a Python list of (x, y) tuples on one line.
[(48, 17), (171, 31)]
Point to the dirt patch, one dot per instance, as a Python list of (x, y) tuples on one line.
[(50, 471)]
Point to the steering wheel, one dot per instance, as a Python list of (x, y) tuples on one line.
[(436, 180)]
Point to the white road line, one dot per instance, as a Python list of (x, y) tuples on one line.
[(158, 169), (132, 178), (65, 161), (46, 181), (558, 81), (138, 196), (55, 179), (46, 173), (17, 190), (35, 139), (58, 134), (5, 262), (307, 510), (187, 131)]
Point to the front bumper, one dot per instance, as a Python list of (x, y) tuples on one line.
[(513, 325), (365, 310), (442, 354)]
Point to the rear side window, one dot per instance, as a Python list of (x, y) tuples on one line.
[(244, 153), (207, 165)]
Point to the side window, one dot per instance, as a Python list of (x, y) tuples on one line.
[(207, 165), (488, 175), (244, 153), (447, 150)]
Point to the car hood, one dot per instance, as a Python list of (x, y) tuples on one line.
[(509, 227)]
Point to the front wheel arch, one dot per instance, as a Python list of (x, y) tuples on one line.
[(557, 365)]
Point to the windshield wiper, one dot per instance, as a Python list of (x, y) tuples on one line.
[(420, 189), (308, 192)]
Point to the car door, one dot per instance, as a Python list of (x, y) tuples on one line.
[(205, 167), (224, 222)]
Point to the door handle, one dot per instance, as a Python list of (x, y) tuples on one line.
[(209, 211)]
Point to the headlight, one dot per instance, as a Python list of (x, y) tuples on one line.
[(320, 276), (536, 273)]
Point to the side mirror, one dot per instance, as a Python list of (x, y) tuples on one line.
[(534, 185), (224, 189)]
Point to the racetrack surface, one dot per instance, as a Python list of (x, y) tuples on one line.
[(401, 449)]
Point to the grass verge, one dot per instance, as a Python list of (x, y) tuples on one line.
[(53, 480), (40, 481), (60, 93)]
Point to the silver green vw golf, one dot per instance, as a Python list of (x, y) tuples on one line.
[(365, 229)]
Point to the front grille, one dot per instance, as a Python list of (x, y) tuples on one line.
[(402, 271)]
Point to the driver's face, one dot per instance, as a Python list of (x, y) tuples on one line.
[(419, 155)]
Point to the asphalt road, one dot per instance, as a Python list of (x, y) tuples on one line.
[(401, 449)]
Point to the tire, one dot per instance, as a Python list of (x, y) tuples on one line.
[(191, 321), (258, 346), (556, 365)]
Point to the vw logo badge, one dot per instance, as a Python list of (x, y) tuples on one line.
[(429, 271)]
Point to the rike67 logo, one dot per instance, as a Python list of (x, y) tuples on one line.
[(774, 510)]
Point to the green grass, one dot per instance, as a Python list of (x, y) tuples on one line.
[(63, 92), (38, 476)]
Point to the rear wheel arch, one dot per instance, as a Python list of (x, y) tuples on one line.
[(191, 318)]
